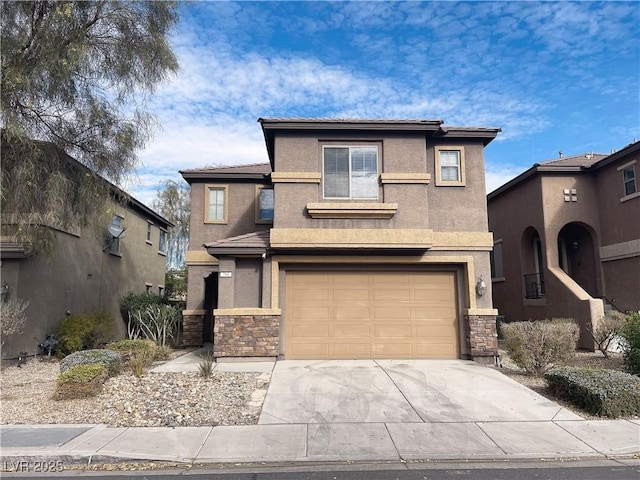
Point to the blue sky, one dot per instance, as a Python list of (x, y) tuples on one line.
[(555, 76)]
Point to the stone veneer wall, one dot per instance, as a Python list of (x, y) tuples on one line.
[(246, 336), (192, 326), (482, 338)]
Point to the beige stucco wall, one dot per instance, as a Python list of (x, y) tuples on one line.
[(79, 277)]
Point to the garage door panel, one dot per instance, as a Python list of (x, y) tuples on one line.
[(376, 314), (311, 314), (393, 331), (351, 331), (310, 331)]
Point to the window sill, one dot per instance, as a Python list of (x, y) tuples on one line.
[(148, 242), (630, 197), (164, 254), (498, 279), (116, 254), (352, 210)]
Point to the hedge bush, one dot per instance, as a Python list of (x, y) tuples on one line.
[(109, 359), (631, 349), (83, 332), (537, 346), (603, 392), (81, 381), (134, 348)]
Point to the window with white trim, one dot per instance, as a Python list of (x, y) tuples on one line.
[(449, 166), (114, 241), (350, 173), (215, 207), (149, 230)]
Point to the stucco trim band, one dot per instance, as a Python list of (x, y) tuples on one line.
[(194, 312), (296, 177), (247, 311), (406, 178), (481, 311), (618, 251), (199, 257), (352, 210), (350, 238)]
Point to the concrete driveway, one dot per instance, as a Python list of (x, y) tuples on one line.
[(400, 391)]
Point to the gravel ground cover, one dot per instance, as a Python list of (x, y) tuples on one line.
[(156, 399)]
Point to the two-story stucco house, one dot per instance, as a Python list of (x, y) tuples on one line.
[(90, 268), (359, 239), (567, 239)]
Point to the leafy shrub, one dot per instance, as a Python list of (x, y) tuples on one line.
[(81, 381), (631, 334), (608, 393), (133, 302), (82, 332), (157, 322), (109, 359), (132, 348), (606, 330), (163, 352), (537, 346)]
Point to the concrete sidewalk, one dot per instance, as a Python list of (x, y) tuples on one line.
[(335, 442), (350, 411)]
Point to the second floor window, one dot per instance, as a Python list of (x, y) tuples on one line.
[(629, 180), (265, 205), (215, 204), (449, 166), (116, 233), (162, 243), (149, 229), (350, 173)]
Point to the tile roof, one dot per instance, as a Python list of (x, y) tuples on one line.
[(582, 160), (239, 169), (254, 241)]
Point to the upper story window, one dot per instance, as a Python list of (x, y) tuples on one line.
[(450, 168), (264, 206), (116, 233), (162, 241), (629, 180), (149, 229), (495, 256), (350, 172), (215, 206)]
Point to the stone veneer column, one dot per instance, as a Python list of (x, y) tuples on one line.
[(192, 326), (246, 336), (482, 338)]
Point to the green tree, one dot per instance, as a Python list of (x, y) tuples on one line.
[(74, 79), (173, 202)]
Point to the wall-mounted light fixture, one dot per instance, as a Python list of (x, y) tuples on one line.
[(481, 286), (575, 244), (4, 291)]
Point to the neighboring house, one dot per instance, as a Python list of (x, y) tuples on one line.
[(567, 239), (88, 270), (360, 239)]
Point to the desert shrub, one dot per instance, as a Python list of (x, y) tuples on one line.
[(205, 366), (109, 359), (163, 352), (159, 323), (82, 332), (81, 381), (132, 348), (133, 302), (608, 393), (631, 334), (537, 346), (12, 318), (606, 331)]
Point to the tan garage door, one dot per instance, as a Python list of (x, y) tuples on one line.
[(336, 314)]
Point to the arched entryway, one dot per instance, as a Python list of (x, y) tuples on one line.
[(577, 256), (532, 263)]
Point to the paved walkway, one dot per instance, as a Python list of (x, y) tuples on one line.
[(399, 411)]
